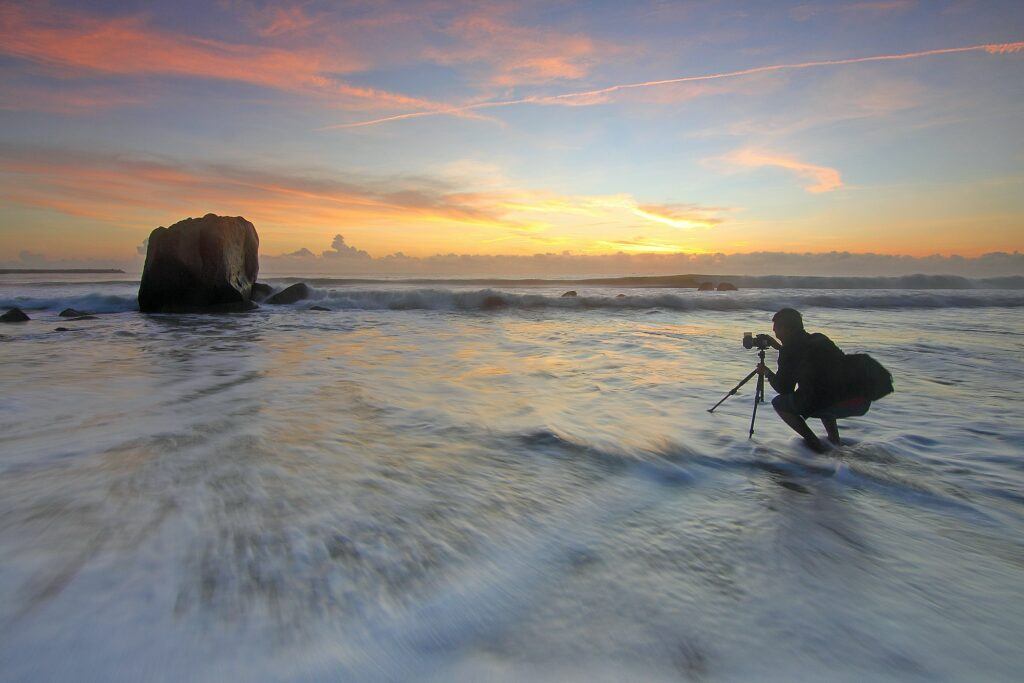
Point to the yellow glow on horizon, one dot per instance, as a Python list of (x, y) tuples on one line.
[(65, 202), (641, 247)]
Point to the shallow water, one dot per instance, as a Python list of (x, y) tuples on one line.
[(413, 488)]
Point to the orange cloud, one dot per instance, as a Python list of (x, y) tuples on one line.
[(1004, 48), (70, 45), (821, 178), (295, 206), (640, 245), (618, 207)]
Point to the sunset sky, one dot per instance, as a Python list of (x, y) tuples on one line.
[(886, 126)]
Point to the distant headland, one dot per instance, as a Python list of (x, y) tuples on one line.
[(8, 271)]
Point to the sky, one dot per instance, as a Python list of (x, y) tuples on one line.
[(521, 136)]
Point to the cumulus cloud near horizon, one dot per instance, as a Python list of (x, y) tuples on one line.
[(343, 260)]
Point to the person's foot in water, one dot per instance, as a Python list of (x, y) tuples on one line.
[(815, 444), (832, 429), (801, 428)]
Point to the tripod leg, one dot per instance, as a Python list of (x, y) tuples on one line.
[(733, 390), (758, 398)]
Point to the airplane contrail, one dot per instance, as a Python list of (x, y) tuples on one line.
[(991, 48)]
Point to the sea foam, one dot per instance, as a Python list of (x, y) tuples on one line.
[(452, 299)]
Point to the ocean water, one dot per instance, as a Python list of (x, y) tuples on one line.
[(463, 483)]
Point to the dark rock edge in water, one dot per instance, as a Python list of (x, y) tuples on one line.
[(14, 315)]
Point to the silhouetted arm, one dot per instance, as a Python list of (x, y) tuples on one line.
[(783, 381)]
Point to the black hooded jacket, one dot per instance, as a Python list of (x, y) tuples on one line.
[(811, 365)]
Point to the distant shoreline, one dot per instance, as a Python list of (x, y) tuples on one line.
[(36, 271)]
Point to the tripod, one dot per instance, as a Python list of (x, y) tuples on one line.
[(758, 394)]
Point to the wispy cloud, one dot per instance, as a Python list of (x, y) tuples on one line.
[(514, 54), (652, 257), (870, 9), (66, 98), (596, 96), (76, 44), (137, 191), (818, 178)]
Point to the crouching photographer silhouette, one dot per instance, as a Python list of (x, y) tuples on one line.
[(816, 379)]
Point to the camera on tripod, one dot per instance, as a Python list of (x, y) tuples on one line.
[(761, 341)]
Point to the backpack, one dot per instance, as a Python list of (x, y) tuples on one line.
[(867, 377)]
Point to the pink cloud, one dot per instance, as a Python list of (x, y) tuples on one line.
[(513, 54), (818, 178), (78, 44)]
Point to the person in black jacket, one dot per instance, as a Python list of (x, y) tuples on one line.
[(810, 380)]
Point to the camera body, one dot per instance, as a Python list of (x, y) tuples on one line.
[(761, 341)]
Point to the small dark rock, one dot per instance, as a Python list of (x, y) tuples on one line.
[(706, 287), (15, 315), (492, 302), (61, 329), (571, 292), (726, 287), (289, 295), (620, 296), (71, 313), (318, 308), (261, 291)]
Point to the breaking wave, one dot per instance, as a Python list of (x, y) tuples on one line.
[(494, 300), (919, 281), (91, 302), (401, 299)]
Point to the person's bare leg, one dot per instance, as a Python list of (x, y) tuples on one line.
[(832, 429), (800, 427)]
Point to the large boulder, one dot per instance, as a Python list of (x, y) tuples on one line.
[(15, 315), (570, 293), (291, 294), (726, 287), (207, 263)]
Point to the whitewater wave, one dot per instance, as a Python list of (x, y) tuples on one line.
[(91, 302), (495, 300), (498, 300), (898, 282), (919, 281)]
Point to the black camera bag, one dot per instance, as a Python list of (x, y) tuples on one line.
[(866, 377)]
